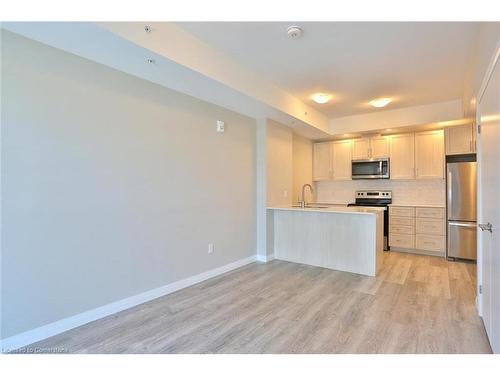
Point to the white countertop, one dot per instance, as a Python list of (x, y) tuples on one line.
[(417, 205), (333, 203), (333, 209)]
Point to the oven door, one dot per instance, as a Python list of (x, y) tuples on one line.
[(370, 169)]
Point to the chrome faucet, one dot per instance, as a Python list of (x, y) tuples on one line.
[(302, 202)]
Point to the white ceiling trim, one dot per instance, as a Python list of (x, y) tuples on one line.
[(398, 118)]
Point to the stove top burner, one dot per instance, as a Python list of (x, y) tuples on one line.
[(373, 198)]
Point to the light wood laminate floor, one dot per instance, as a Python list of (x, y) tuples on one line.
[(418, 304)]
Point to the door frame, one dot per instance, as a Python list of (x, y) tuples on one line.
[(482, 89)]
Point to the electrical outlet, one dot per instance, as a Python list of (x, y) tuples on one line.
[(210, 248)]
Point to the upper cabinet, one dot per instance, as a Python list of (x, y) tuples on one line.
[(360, 148), (332, 160), (412, 155), (367, 148), (402, 156), (379, 147), (429, 154), (460, 140), (342, 156), (322, 161)]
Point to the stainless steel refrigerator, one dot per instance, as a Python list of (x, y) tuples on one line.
[(461, 208)]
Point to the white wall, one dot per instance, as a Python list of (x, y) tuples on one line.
[(289, 164), (111, 185), (302, 166), (279, 164), (485, 46), (403, 191), (395, 118)]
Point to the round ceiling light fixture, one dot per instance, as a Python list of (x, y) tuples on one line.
[(294, 32), (321, 97), (380, 102)]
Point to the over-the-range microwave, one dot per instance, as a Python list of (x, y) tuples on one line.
[(370, 169)]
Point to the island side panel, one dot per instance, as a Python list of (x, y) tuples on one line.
[(340, 241), (379, 232)]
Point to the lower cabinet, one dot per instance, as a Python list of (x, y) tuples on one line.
[(418, 229), (405, 241), (430, 242)]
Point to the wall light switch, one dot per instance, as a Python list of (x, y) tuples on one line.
[(210, 248), (285, 193), (220, 126)]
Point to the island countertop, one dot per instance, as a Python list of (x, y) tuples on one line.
[(333, 209)]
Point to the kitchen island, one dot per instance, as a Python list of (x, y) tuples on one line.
[(340, 238)]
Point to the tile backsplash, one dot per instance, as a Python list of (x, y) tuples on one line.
[(403, 191)]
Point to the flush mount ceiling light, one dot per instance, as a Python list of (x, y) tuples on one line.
[(321, 98), (294, 32), (380, 102)]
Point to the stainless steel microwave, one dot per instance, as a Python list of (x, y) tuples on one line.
[(370, 169)]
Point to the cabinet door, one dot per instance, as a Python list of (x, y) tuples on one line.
[(460, 140), (342, 156), (429, 154), (322, 161), (402, 157), (360, 149), (379, 147)]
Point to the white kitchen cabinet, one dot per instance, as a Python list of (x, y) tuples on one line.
[(379, 147), (417, 229), (429, 154), (342, 157), (374, 147), (360, 148), (460, 140), (402, 156), (322, 161)]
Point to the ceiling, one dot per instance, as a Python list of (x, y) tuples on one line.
[(415, 63)]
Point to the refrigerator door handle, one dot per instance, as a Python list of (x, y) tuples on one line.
[(449, 192), (468, 225)]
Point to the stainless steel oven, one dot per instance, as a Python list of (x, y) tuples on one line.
[(370, 169)]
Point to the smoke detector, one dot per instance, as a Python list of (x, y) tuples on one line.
[(294, 32)]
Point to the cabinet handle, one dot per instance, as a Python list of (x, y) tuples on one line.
[(470, 145)]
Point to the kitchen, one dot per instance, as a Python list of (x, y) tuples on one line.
[(422, 178), (230, 194)]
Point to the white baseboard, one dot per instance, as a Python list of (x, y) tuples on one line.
[(52, 329), (264, 258)]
